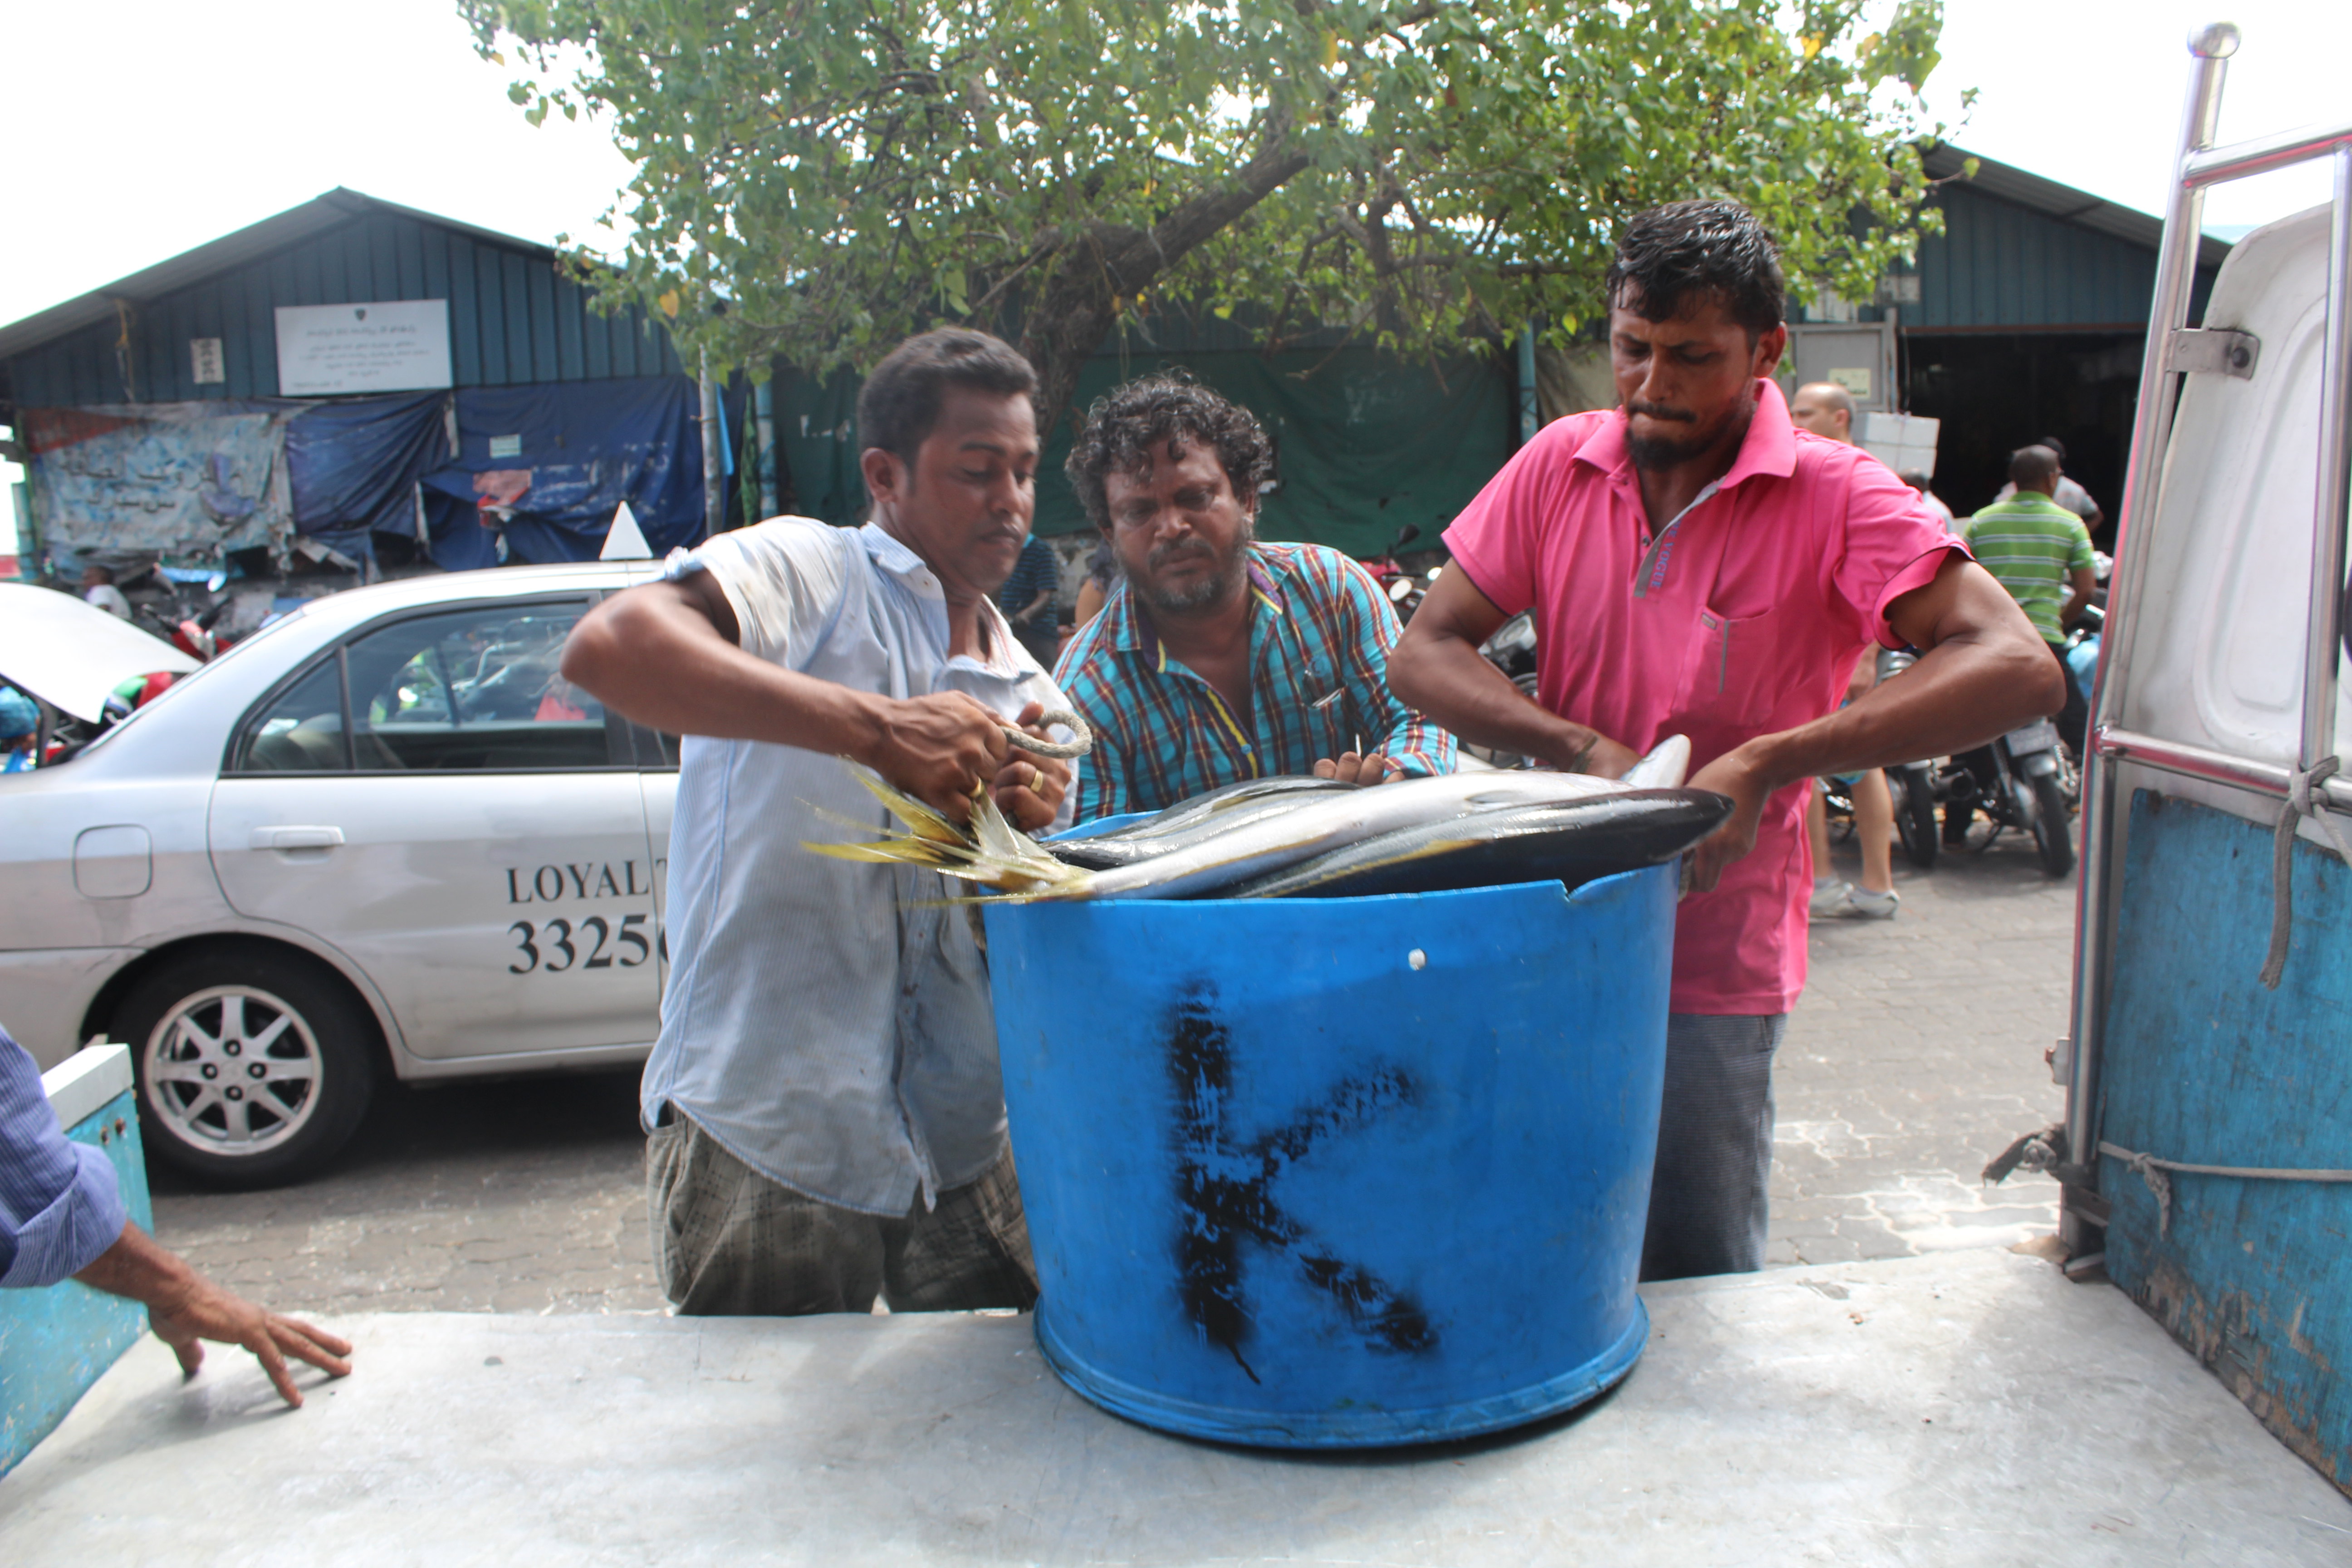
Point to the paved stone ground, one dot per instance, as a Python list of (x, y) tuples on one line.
[(1916, 1056), (519, 1196)]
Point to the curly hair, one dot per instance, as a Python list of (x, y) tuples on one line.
[(1127, 425), (1712, 250)]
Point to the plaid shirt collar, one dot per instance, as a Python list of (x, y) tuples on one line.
[(1128, 625)]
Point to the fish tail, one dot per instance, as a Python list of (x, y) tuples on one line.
[(920, 819)]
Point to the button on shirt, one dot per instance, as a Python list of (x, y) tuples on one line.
[(60, 1205), (1320, 632), (827, 1022), (1742, 617)]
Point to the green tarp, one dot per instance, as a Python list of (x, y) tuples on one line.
[(1365, 443)]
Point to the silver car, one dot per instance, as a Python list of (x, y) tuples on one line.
[(383, 833)]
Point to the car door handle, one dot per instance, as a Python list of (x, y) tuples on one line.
[(297, 837)]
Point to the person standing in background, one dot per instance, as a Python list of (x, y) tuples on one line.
[(1827, 410), (2041, 552), (98, 588), (1028, 600), (1917, 479), (2065, 492), (1102, 576)]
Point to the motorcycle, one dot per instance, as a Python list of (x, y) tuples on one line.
[(2022, 780), (2082, 645), (1405, 588), (1912, 784)]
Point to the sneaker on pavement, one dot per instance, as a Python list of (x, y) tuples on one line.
[(1829, 894), (1860, 903)]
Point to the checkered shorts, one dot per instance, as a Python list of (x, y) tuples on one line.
[(727, 1240)]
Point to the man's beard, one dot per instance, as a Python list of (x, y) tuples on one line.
[(1202, 592), (1668, 451)]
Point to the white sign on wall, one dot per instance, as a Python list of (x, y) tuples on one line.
[(204, 362), (395, 345)]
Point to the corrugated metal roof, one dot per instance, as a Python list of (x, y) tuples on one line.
[(2020, 253), (252, 243), (516, 314), (2064, 202)]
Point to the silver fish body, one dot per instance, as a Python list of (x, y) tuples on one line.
[(1320, 824), (1283, 789), (1569, 842)]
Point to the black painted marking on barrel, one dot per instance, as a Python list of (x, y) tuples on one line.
[(1224, 1192)]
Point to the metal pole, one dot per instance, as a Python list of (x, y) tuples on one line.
[(2325, 625), (1530, 413), (2263, 153), (714, 471), (2175, 275), (764, 425)]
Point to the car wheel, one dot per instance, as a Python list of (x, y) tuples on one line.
[(254, 1069)]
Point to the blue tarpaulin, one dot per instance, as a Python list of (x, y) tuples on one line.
[(354, 466), (545, 466), (548, 465)]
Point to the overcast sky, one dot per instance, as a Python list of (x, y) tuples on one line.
[(138, 130)]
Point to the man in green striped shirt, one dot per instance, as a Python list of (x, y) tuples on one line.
[(2042, 554)]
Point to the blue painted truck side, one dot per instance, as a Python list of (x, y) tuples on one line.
[(2204, 1066), (56, 1343)]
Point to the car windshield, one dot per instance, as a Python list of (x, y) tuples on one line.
[(234, 650)]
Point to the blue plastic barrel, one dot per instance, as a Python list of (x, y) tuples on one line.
[(1336, 1172)]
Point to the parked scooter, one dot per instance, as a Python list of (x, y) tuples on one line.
[(2082, 645), (2022, 780), (1404, 587), (1912, 784)]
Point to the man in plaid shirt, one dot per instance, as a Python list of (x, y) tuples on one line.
[(1219, 659)]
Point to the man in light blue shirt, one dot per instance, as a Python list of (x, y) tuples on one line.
[(826, 1118), (62, 1217)]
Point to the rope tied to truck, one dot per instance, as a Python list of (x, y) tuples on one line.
[(2304, 799), (2158, 1174)]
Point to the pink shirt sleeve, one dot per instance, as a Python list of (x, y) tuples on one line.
[(1893, 544), (1498, 538)]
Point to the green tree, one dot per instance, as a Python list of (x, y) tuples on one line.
[(841, 173)]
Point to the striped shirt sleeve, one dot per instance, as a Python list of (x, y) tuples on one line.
[(1364, 634), (60, 1205)]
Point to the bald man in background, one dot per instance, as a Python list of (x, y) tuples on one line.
[(1826, 409)]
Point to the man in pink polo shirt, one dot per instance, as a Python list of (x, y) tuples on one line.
[(1699, 566)]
